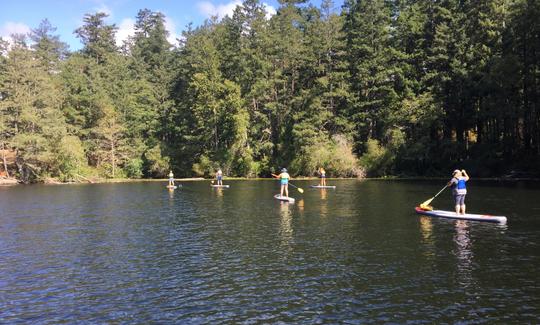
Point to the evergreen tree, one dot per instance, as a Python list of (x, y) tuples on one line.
[(110, 147), (286, 58), (371, 65), (97, 36), (250, 30), (33, 121), (152, 62), (447, 75), (415, 86), (324, 97), (526, 48), (49, 49), (4, 127)]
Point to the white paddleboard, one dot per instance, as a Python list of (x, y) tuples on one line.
[(467, 216), (171, 187), (284, 198), (321, 186), (223, 186)]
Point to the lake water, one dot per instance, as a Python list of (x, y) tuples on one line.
[(136, 253)]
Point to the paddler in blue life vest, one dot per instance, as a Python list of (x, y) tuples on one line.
[(171, 179), (322, 175), (459, 178), (219, 177), (284, 181)]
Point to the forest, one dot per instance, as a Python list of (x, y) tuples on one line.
[(370, 88)]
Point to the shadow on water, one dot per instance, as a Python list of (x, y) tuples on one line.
[(138, 253)]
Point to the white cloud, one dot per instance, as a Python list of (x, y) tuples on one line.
[(9, 28), (170, 26), (221, 10), (209, 9), (105, 9), (270, 11), (13, 28), (126, 28)]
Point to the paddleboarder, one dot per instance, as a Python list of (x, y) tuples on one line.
[(459, 178), (284, 181), (219, 177), (171, 180), (322, 175)]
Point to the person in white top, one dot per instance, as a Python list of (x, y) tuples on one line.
[(171, 179), (219, 177)]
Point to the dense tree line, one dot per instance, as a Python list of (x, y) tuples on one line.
[(383, 87)]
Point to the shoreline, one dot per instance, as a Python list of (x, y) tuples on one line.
[(13, 181)]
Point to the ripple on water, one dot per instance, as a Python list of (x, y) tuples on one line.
[(135, 253)]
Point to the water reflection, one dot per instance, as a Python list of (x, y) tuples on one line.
[(171, 195), (286, 230), (324, 202), (300, 204), (463, 253), (323, 194), (426, 229), (218, 191)]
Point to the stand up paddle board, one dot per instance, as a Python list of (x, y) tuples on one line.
[(321, 186), (284, 198), (467, 216), (223, 186), (172, 187)]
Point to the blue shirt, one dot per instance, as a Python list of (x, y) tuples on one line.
[(459, 185)]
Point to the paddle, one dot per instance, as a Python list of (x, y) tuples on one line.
[(427, 202), (298, 188)]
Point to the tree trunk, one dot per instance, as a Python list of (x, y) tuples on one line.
[(113, 161), (4, 159), (216, 140)]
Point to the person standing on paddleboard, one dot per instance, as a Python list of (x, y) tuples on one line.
[(171, 179), (219, 177), (322, 175), (459, 178), (284, 181)]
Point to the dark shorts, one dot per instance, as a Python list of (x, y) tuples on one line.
[(459, 199), (219, 178), (323, 176)]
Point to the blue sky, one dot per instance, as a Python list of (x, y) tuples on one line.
[(19, 16)]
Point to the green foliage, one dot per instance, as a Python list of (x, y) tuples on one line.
[(335, 156), (97, 36), (410, 87), (344, 162), (378, 160), (49, 49), (157, 165), (70, 158), (108, 140), (204, 167), (134, 168)]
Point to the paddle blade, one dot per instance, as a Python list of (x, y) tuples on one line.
[(426, 203), (300, 190)]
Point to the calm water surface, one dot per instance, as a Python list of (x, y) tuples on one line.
[(135, 253)]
